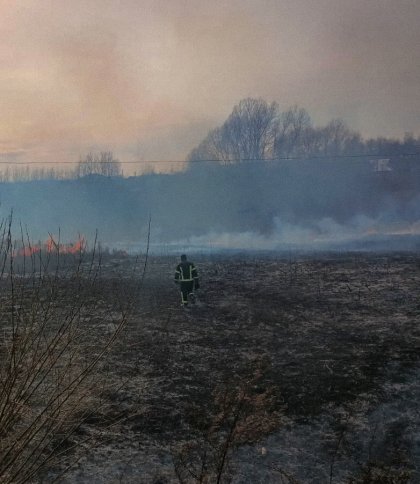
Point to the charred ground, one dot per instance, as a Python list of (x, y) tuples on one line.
[(335, 337)]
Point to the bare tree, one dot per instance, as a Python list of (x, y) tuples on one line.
[(103, 164), (249, 131), (247, 134), (211, 148), (292, 133), (28, 174), (334, 139)]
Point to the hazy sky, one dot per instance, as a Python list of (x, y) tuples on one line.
[(148, 78)]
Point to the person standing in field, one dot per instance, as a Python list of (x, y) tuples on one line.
[(186, 276)]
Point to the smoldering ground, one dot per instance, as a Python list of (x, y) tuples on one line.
[(329, 348)]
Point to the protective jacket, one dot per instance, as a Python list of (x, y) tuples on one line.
[(186, 272)]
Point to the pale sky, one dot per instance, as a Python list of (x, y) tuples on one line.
[(147, 79)]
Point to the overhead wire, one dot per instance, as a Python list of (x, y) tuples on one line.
[(228, 160)]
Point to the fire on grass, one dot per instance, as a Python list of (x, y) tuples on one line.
[(50, 377), (52, 245)]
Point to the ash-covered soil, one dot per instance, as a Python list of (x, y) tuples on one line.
[(336, 338)]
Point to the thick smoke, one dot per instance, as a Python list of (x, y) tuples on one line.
[(308, 205), (361, 233)]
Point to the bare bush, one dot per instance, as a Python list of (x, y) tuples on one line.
[(48, 361), (240, 414), (379, 473)]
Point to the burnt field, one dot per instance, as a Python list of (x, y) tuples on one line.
[(301, 368)]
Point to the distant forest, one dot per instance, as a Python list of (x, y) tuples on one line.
[(261, 170), (255, 130)]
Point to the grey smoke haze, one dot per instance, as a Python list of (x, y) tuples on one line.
[(148, 78), (361, 233), (311, 205)]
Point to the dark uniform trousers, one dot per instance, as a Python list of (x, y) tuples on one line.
[(187, 287), (187, 277)]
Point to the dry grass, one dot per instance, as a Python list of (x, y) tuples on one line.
[(287, 370), (49, 363), (338, 335)]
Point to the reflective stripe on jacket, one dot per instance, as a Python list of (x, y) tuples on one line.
[(186, 271)]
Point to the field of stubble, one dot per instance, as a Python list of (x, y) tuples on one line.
[(324, 350)]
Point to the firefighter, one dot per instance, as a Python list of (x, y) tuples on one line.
[(187, 277)]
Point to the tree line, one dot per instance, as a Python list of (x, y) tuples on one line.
[(103, 163), (257, 130)]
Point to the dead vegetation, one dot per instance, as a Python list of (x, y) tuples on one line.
[(50, 365), (290, 368)]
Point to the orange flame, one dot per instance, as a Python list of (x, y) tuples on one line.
[(74, 248), (29, 251), (51, 245)]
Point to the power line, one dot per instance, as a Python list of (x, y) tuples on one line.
[(227, 160)]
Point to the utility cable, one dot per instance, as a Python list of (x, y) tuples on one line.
[(227, 160)]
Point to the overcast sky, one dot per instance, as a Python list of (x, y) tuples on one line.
[(148, 78)]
